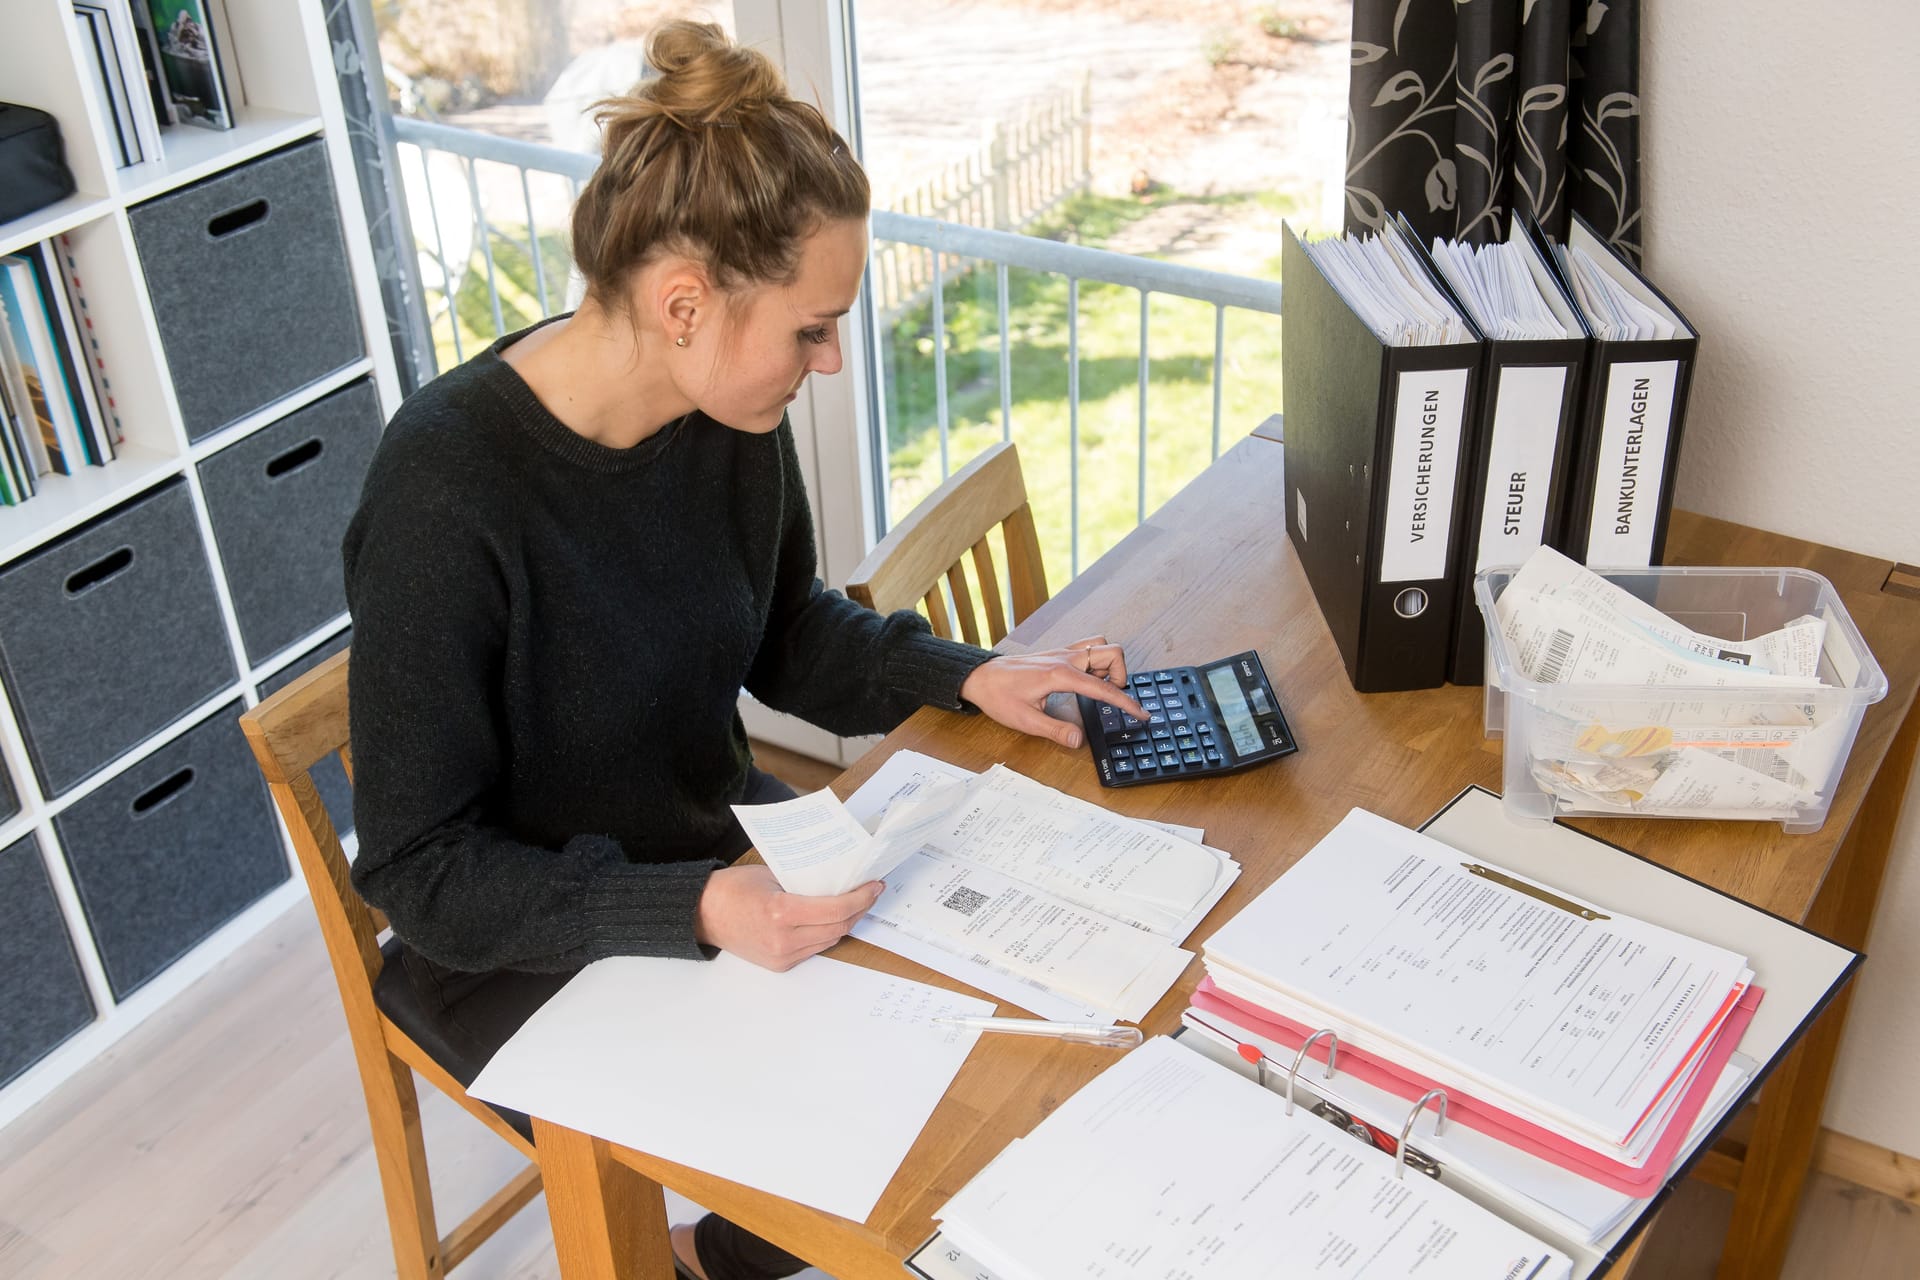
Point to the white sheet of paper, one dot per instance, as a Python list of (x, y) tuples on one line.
[(811, 1084), (814, 845)]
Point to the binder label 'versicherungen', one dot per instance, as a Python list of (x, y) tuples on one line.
[(1633, 462), (1426, 462)]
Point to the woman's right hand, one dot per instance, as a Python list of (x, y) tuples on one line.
[(744, 910)]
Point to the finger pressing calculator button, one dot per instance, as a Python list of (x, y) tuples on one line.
[(1158, 717)]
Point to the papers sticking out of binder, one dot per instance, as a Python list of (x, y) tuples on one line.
[(1380, 374), (1520, 447), (1634, 405), (1421, 929)]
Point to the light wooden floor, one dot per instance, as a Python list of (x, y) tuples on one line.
[(226, 1139)]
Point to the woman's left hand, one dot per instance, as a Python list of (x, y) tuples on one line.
[(1013, 688)]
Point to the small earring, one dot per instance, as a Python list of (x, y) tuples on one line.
[(680, 341)]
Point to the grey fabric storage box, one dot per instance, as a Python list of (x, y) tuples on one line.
[(110, 634), (43, 995), (250, 285), (280, 501), (329, 776), (172, 849)]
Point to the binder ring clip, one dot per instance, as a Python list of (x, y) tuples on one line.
[(1406, 1130), (1333, 1051)]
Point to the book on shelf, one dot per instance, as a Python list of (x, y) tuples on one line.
[(88, 350), (30, 358), (109, 81), (95, 437), (190, 62), (16, 465), (149, 45), (129, 78)]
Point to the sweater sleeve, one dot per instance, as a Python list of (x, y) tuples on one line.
[(835, 663), (428, 594)]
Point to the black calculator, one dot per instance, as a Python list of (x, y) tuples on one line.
[(1213, 718)]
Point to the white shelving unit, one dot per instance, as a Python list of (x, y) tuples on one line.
[(280, 71)]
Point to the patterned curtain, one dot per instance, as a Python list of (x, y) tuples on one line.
[(1461, 110)]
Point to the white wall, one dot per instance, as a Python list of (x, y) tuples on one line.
[(1782, 201)]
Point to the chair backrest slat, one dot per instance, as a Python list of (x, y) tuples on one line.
[(936, 538), (290, 733)]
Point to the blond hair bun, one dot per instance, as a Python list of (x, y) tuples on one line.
[(714, 159)]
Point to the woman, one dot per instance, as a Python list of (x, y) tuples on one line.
[(573, 551)]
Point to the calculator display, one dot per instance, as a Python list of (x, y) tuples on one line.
[(1233, 709)]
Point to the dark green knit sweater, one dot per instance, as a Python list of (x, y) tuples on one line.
[(549, 636)]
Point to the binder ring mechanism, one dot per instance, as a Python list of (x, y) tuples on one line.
[(1333, 1051), (1406, 1132)]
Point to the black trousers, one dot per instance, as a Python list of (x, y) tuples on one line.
[(481, 1011)]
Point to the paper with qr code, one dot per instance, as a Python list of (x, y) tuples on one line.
[(1034, 896)]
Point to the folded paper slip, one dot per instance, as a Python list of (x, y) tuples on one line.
[(1492, 1120)]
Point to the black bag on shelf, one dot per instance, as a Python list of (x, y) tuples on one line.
[(33, 163)]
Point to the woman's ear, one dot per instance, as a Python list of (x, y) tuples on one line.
[(684, 299)]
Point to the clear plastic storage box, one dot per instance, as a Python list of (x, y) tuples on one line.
[(1772, 754)]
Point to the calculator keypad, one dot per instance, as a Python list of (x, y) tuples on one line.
[(1178, 738)]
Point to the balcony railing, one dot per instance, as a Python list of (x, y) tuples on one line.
[(453, 224)]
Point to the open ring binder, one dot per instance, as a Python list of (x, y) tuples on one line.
[(1333, 1051), (1406, 1130)]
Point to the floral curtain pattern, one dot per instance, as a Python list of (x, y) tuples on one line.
[(363, 97), (1460, 111)]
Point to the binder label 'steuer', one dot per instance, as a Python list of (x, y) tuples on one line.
[(1426, 462), (1633, 462), (1526, 427)]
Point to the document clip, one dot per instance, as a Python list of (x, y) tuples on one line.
[(1533, 891), (1405, 1155)]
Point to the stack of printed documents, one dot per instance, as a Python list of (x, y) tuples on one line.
[(1726, 756), (1382, 279), (1041, 899), (1170, 1164), (1578, 1050)]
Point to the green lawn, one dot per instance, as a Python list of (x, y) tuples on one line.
[(1179, 432), (1179, 420)]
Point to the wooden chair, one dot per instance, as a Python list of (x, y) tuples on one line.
[(933, 543), (291, 732)]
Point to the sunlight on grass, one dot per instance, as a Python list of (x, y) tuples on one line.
[(1179, 414)]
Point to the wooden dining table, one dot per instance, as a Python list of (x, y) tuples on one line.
[(1210, 574)]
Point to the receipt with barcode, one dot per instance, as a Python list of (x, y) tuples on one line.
[(1568, 625)]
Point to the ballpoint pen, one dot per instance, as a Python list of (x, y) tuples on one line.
[(1109, 1037)]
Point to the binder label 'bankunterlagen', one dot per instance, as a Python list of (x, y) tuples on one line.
[(1427, 415), (1633, 462)]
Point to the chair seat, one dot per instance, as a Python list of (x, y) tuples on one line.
[(395, 995)]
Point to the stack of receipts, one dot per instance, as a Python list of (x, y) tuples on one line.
[(1580, 1050), (1724, 755), (1041, 899), (1169, 1164)]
